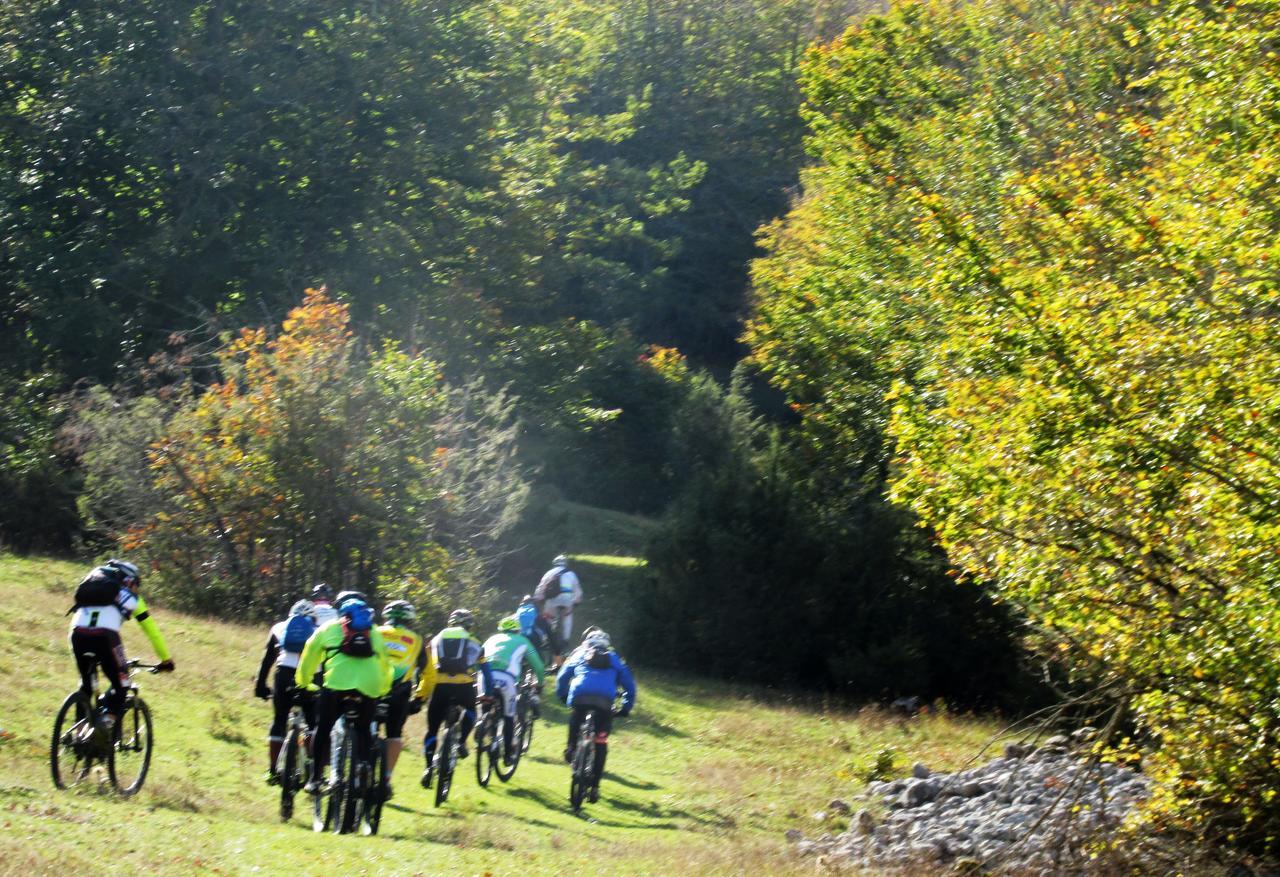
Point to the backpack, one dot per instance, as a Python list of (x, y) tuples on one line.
[(357, 624), (297, 631), (549, 587), (597, 658), (452, 664), (100, 587)]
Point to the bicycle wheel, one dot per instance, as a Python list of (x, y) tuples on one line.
[(376, 794), (584, 762), (337, 815), (289, 769), (524, 726), (446, 760), (507, 771), (69, 759), (131, 748), (484, 749)]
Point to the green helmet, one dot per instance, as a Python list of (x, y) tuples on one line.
[(509, 625), (399, 612)]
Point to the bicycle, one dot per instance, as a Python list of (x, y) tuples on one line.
[(293, 765), (527, 710), (445, 759), (491, 745), (583, 781), (77, 741), (357, 773)]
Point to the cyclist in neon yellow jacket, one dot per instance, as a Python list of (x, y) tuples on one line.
[(107, 598), (356, 665)]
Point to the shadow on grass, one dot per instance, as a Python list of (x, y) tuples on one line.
[(643, 723), (630, 783)]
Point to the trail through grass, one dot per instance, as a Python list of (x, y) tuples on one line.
[(704, 778)]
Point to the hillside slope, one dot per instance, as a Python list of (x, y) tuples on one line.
[(700, 778)]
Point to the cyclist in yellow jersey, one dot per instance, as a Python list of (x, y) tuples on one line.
[(107, 598), (404, 650), (449, 679)]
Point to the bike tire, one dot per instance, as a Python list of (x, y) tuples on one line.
[(68, 762), (131, 747), (484, 751), (584, 761), (446, 755), (375, 795), (287, 768), (507, 771), (524, 726), (337, 815)]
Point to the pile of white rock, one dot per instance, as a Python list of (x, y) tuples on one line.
[(1032, 812)]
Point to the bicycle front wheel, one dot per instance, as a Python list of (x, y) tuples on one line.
[(288, 768), (524, 726), (131, 748), (69, 758)]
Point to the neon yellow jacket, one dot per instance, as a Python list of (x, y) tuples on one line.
[(142, 615), (369, 676)]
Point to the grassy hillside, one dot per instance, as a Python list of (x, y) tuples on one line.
[(701, 778)]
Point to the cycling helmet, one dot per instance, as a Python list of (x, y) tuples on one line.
[(303, 607), (399, 612), (131, 576), (321, 592), (509, 625), (527, 598), (461, 618), (344, 596), (598, 640), (560, 560), (590, 630)]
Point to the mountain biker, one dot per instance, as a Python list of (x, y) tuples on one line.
[(107, 598), (284, 648), (449, 680), (559, 591), (355, 664), (589, 682), (322, 597), (505, 655), (534, 626), (404, 649)]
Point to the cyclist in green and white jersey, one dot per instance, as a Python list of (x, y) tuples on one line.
[(505, 655)]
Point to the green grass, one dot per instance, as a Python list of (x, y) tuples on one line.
[(704, 778)]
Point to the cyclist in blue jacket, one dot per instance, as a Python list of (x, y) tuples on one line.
[(588, 682)]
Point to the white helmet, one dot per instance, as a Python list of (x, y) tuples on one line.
[(560, 560), (303, 607), (598, 640)]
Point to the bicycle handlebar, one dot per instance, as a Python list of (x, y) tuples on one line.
[(138, 665)]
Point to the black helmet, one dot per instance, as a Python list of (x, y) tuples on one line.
[(321, 592), (344, 596), (399, 612)]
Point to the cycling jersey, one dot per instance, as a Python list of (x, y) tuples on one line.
[(404, 650), (450, 644), (508, 652), (370, 676), (113, 616), (578, 680)]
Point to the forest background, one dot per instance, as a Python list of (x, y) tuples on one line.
[(364, 292)]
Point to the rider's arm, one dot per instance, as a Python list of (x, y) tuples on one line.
[(268, 659), (628, 683), (427, 681), (562, 682), (143, 616), (383, 658)]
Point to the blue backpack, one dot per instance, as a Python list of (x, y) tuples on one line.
[(357, 622), (296, 633)]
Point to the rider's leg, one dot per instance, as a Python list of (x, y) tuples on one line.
[(326, 715), (397, 713), (281, 702), (604, 724)]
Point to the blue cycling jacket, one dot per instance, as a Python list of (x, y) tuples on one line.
[(576, 679), (527, 615)]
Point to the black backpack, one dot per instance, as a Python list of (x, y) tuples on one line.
[(100, 587), (451, 656), (549, 587)]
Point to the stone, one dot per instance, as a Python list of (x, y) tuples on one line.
[(863, 823), (918, 792), (920, 772), (794, 835), (839, 806), (1018, 750)]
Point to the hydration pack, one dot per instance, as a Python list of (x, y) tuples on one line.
[(296, 633), (549, 587), (100, 587), (357, 627), (451, 656)]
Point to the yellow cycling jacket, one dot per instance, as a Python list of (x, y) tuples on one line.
[(450, 642)]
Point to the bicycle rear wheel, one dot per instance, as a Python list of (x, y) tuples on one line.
[(584, 764), (524, 725), (69, 759), (340, 816), (376, 794), (507, 771), (289, 769), (446, 760), (131, 748), (484, 749)]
